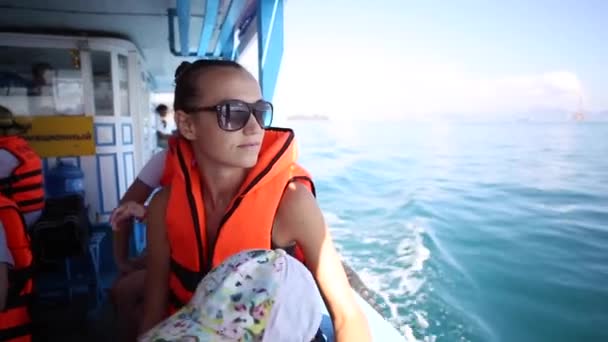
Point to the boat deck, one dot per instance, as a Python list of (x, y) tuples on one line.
[(67, 322)]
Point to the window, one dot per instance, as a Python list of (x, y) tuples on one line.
[(102, 83), (41, 81), (123, 85)]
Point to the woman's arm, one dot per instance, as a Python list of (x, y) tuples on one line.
[(138, 192), (157, 258), (147, 180), (300, 219)]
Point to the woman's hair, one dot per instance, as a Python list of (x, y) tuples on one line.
[(186, 76)]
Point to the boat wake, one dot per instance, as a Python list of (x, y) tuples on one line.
[(387, 271)]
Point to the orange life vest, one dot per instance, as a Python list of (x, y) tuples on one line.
[(248, 222), (25, 185), (15, 324)]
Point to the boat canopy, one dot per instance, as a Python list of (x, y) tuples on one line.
[(164, 32)]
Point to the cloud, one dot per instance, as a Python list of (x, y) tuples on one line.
[(444, 91), (559, 89), (398, 87)]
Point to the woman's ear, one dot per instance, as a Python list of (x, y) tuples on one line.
[(185, 124)]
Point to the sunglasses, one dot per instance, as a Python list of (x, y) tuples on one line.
[(233, 115)]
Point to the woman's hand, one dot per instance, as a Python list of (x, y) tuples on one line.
[(131, 205), (119, 219), (125, 212)]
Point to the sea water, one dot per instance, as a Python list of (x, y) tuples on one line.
[(471, 232)]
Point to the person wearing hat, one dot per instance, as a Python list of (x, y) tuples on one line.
[(21, 178), (249, 297), (21, 203), (16, 283)]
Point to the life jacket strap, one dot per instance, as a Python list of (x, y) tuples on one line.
[(189, 279), (7, 181)]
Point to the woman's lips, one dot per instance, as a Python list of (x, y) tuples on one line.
[(249, 145)]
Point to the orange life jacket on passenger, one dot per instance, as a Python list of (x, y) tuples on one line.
[(15, 324), (25, 185), (247, 223)]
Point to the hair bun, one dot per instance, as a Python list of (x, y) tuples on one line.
[(181, 68)]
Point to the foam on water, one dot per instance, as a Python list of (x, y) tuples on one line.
[(401, 276)]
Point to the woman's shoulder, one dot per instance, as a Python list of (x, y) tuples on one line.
[(159, 157), (298, 209), (297, 197), (151, 173)]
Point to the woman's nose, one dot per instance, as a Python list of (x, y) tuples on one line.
[(252, 126)]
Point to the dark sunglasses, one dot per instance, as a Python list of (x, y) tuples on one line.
[(233, 115)]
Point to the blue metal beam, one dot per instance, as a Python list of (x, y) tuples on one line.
[(171, 15), (183, 22), (270, 44), (211, 11), (225, 41), (247, 30), (230, 48)]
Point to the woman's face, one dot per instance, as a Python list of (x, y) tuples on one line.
[(239, 148)]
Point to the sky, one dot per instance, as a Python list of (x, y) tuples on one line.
[(433, 58)]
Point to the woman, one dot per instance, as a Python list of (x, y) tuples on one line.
[(235, 186), (127, 291)]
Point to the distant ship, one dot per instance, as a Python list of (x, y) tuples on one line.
[(315, 117)]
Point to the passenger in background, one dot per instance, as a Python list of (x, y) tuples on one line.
[(16, 282), (42, 80), (6, 262), (165, 125), (127, 292), (41, 99), (21, 178), (132, 206), (21, 204)]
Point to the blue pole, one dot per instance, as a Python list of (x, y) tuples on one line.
[(183, 21), (211, 12), (270, 44), (245, 34), (230, 48), (226, 37), (234, 48)]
